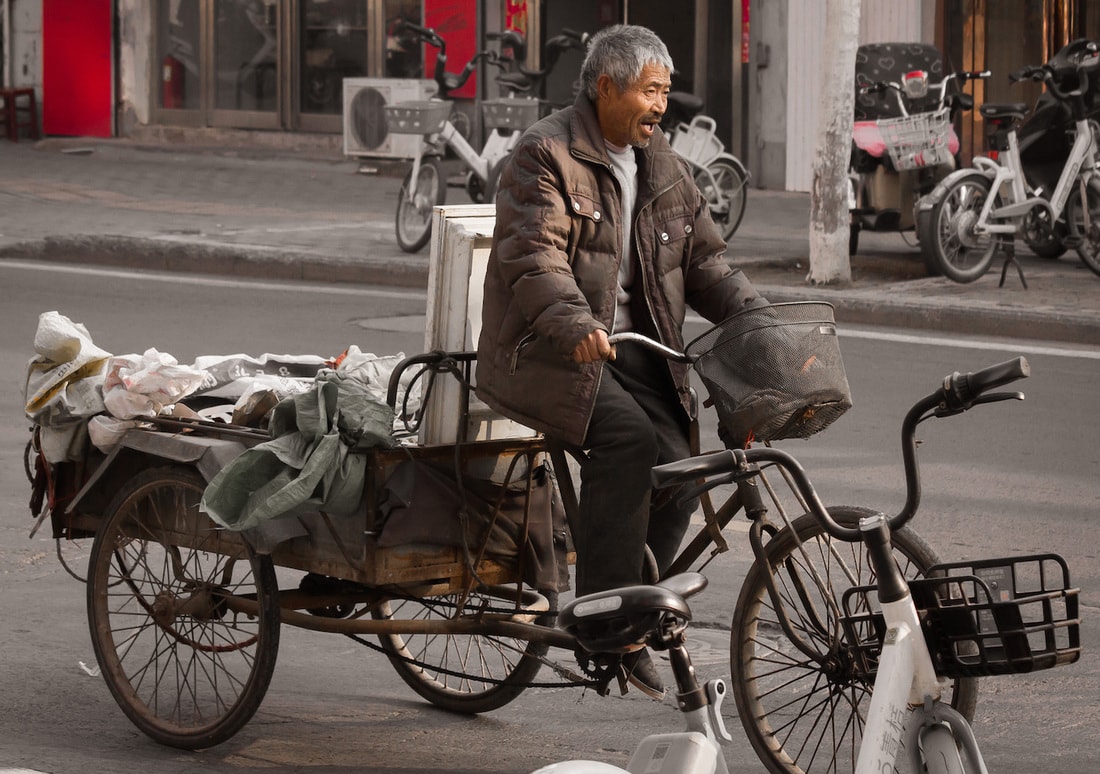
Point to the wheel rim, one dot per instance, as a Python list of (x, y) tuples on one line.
[(465, 673), (414, 218), (1086, 236), (187, 670), (724, 189), (965, 252), (804, 714)]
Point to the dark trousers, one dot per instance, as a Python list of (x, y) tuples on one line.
[(637, 423)]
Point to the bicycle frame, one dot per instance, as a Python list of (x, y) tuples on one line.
[(497, 147), (1009, 178)]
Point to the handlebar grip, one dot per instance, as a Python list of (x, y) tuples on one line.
[(965, 388), (692, 468)]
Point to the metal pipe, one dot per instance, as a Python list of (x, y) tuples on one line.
[(486, 625)]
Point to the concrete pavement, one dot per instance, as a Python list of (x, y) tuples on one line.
[(309, 213)]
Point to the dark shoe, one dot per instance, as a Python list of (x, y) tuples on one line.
[(638, 670)]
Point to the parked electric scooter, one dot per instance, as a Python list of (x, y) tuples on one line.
[(903, 141), (1045, 138)]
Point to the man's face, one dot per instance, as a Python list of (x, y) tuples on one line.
[(630, 116)]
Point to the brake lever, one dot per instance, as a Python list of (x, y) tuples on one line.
[(943, 410)]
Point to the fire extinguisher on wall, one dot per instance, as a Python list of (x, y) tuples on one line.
[(171, 83)]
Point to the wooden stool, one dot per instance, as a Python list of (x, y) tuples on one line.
[(10, 112)]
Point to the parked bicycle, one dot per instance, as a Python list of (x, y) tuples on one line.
[(903, 141), (721, 176), (425, 185), (503, 119), (974, 212)]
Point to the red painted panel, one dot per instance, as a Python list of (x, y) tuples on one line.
[(456, 23), (77, 67)]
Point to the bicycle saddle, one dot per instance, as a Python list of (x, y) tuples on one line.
[(1015, 110), (617, 620)]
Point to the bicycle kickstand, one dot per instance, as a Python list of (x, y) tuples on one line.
[(1008, 245)]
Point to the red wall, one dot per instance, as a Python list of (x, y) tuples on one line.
[(456, 23), (77, 70)]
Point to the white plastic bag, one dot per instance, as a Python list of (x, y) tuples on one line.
[(145, 385)]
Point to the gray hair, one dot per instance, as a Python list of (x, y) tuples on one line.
[(621, 51)]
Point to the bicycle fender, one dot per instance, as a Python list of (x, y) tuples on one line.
[(935, 196)]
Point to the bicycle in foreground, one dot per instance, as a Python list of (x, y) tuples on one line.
[(899, 640), (974, 212)]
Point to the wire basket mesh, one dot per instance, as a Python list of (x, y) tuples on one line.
[(510, 113), (919, 140), (989, 617), (417, 117), (773, 372)]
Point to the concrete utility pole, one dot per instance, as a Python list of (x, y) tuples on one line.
[(829, 219)]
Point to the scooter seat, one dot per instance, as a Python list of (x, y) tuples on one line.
[(997, 111)]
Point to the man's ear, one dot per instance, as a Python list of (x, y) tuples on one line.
[(605, 86)]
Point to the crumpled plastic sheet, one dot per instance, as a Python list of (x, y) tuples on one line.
[(307, 465)]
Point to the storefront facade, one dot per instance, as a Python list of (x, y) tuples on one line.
[(280, 66)]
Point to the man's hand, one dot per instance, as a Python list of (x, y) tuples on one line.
[(594, 347)]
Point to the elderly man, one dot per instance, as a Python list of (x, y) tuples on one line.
[(601, 229)]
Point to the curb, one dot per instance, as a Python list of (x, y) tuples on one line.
[(889, 306)]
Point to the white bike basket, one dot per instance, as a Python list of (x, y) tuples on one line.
[(417, 117), (916, 141), (510, 113), (774, 372)]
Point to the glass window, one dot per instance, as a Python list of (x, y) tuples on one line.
[(403, 59), (178, 55), (334, 46), (245, 54)]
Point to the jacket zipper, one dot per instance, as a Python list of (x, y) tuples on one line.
[(516, 352)]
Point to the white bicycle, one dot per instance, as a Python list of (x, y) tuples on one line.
[(900, 641), (972, 212), (720, 175), (425, 186)]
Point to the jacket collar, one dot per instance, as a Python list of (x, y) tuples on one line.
[(658, 165)]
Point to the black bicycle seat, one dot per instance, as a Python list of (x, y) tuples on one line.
[(1015, 110), (617, 620)]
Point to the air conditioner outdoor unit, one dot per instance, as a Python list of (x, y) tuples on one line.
[(365, 130)]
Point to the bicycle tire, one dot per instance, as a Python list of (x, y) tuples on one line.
[(947, 237), (413, 221), (1087, 243), (460, 673), (803, 715), (726, 195), (185, 670)]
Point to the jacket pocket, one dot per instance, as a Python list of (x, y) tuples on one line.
[(674, 229), (525, 342), (586, 207)]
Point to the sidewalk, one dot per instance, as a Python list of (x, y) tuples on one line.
[(316, 216)]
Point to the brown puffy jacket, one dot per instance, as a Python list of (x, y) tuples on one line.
[(553, 270)]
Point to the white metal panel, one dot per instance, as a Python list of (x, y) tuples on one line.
[(462, 236), (888, 21)]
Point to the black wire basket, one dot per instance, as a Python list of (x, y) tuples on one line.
[(773, 372), (981, 618)]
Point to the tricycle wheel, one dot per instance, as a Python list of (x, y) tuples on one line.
[(185, 668), (460, 673)]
